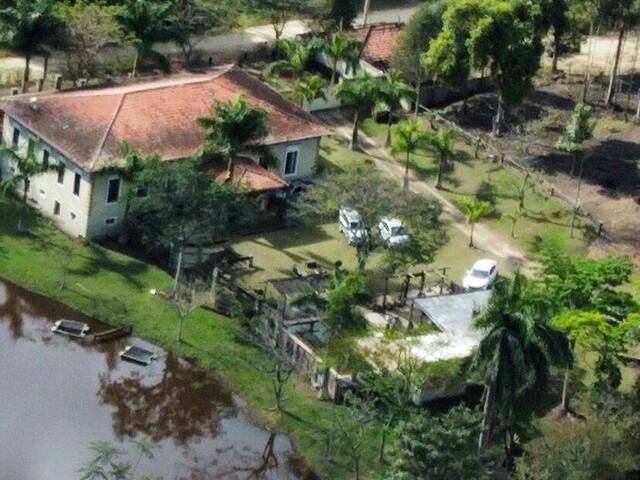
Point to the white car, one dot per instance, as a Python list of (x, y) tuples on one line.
[(392, 232), (481, 276), (351, 225)]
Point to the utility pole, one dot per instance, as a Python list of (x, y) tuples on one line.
[(365, 12)]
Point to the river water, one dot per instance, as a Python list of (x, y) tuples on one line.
[(57, 395)]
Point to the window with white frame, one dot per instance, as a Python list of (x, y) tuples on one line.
[(291, 161)]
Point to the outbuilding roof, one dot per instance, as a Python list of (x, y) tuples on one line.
[(245, 173), (90, 125), (380, 42)]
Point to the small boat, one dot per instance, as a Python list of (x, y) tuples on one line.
[(113, 334), (138, 355), (71, 328)]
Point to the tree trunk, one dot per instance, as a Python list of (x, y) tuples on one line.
[(508, 448), (387, 142), (26, 73), (406, 172), (485, 431), (333, 73), (180, 328), (498, 119), (357, 467), (556, 52), (473, 226), (440, 174), (354, 132), (45, 69), (565, 389), (134, 68), (176, 280), (614, 71), (23, 208), (418, 91), (577, 202), (383, 440)]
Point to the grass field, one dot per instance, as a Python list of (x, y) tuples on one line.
[(114, 288)]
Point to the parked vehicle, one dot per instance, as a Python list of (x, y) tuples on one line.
[(481, 276), (351, 225), (392, 232)]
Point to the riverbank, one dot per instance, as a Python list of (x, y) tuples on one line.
[(115, 288)]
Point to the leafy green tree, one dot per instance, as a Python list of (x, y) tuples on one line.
[(148, 23), (342, 49), (353, 425), (375, 197), (192, 20), (501, 35), (409, 139), (415, 39), (340, 12), (182, 207), (579, 130), (232, 128), (295, 56), (474, 211), (30, 27), (392, 92), (439, 447), (279, 12), (442, 145), (89, 28), (343, 297), (556, 15), (310, 88), (621, 15), (361, 93), (515, 356), (26, 167)]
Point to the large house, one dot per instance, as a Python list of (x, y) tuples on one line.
[(83, 132)]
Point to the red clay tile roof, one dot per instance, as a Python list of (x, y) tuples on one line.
[(246, 173), (380, 41), (89, 126)]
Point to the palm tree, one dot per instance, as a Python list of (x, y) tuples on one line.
[(30, 27), (441, 144), (309, 89), (474, 210), (515, 355), (296, 57), (148, 23), (409, 138), (392, 92), (360, 93), (26, 167), (232, 128), (342, 48)]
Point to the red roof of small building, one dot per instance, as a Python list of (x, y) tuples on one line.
[(246, 173), (380, 41), (89, 126)]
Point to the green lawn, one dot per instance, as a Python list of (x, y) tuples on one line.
[(114, 288), (543, 216)]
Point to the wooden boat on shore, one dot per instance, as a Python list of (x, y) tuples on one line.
[(113, 334)]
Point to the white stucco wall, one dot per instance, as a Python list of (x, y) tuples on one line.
[(45, 190), (101, 211), (307, 158)]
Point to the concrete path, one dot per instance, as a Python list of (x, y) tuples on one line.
[(484, 238)]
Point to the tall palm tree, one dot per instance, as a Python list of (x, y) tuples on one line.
[(148, 23), (309, 89), (515, 356), (26, 166), (295, 56), (474, 210), (409, 138), (360, 93), (232, 128), (441, 144), (392, 92), (30, 27), (342, 48)]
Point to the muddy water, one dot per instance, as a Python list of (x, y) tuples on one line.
[(57, 395)]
